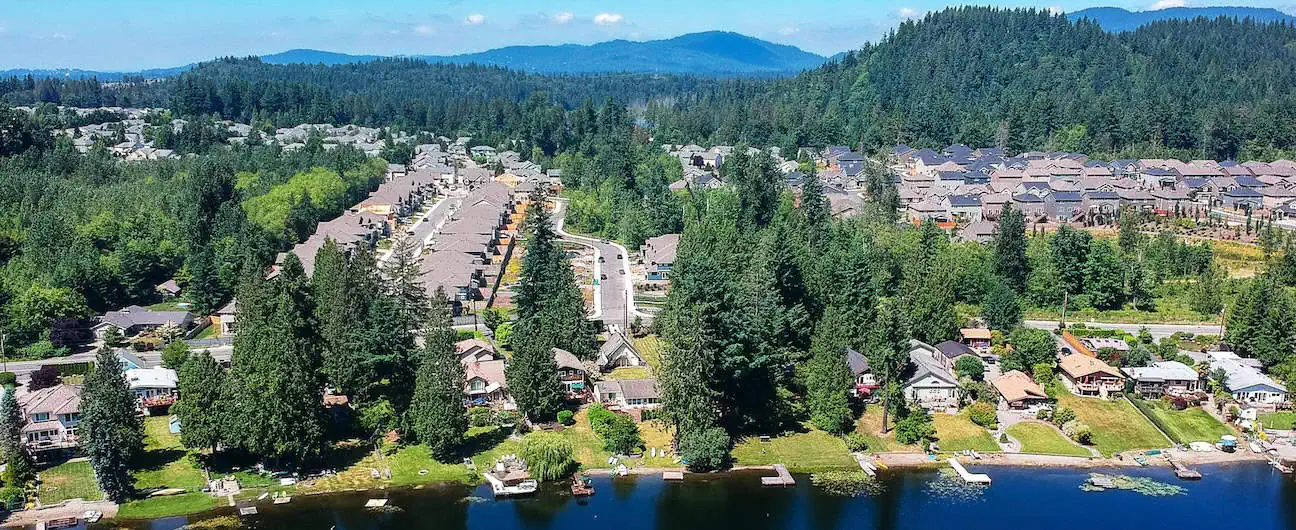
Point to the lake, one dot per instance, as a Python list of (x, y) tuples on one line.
[(1250, 496)]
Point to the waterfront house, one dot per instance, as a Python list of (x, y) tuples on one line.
[(952, 350), (1088, 376), (627, 394), (1018, 391), (51, 417), (485, 384), (155, 387), (864, 381), (1164, 377), (929, 383), (571, 371), (133, 320), (617, 352), (1246, 382)]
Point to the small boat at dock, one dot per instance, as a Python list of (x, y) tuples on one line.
[(582, 486)]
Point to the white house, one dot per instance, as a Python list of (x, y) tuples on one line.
[(52, 416), (153, 387), (930, 384), (1245, 382), (618, 352), (628, 393)]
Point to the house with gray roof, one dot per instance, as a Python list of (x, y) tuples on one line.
[(659, 255), (864, 380), (133, 320), (50, 418), (617, 352), (929, 384), (1245, 382), (1163, 377), (628, 394)]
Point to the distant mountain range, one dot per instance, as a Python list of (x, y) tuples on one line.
[(1117, 20), (707, 53)]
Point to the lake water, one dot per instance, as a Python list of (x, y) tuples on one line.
[(1243, 496)]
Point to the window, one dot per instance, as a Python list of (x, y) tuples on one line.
[(477, 385), (43, 416)]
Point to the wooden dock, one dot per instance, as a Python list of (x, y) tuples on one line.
[(970, 478), (783, 479), (673, 475), (1184, 472)]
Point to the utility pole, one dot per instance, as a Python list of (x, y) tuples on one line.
[(3, 358), (1066, 298)]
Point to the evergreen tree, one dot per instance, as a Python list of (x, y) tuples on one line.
[(689, 401), (19, 468), (275, 389), (1002, 310), (402, 273), (816, 210), (201, 407), (532, 372), (111, 426), (932, 316), (1206, 296), (1071, 249), (1010, 248), (887, 351), (1262, 322), (1103, 278), (829, 378), (437, 413), (547, 288)]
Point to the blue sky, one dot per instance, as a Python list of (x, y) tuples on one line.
[(135, 34)]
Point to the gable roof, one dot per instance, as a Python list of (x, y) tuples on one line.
[(565, 359), (856, 361), (1079, 365), (631, 388), (952, 349), (610, 348), (922, 357), (1016, 386), (1163, 371), (55, 400)]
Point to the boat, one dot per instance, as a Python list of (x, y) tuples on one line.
[(92, 516), (1227, 443), (581, 486)]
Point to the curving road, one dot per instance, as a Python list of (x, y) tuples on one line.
[(1158, 331), (613, 297)]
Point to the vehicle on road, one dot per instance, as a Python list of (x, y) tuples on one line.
[(620, 271), (618, 256), (602, 259), (603, 276)]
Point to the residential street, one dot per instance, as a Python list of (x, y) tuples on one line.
[(614, 294), (436, 217), (21, 368)]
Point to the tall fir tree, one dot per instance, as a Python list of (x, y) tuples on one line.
[(19, 468), (532, 372), (887, 351), (402, 273), (689, 400), (275, 387), (1104, 280), (110, 425), (437, 413), (829, 378), (1010, 248), (201, 405)]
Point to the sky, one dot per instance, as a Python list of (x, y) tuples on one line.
[(125, 35)]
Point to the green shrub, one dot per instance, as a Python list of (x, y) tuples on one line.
[(970, 367), (705, 450), (915, 428), (1078, 431), (982, 414), (175, 355), (378, 416), (566, 417), (42, 350), (856, 442), (621, 435), (1063, 415), (508, 417), (8, 379), (547, 455), (1003, 438), (12, 498), (480, 416), (1044, 414)]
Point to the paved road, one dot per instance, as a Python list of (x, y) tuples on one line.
[(423, 228), (1157, 330), (22, 368), (614, 295)]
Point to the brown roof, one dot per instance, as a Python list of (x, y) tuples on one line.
[(488, 371), (565, 359), (1016, 386), (61, 399), (1079, 365), (975, 333)]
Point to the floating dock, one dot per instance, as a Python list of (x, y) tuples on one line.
[(783, 479), (970, 478), (865, 464), (376, 503), (673, 475)]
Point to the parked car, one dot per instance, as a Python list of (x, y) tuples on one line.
[(603, 276), (602, 259), (618, 256)]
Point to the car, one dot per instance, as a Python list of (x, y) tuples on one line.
[(603, 241), (603, 276), (602, 259), (620, 271), (618, 256)]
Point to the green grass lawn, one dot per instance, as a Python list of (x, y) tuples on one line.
[(630, 372), (1189, 425), (1037, 438), (650, 347), (69, 480), (1278, 420), (170, 506), (165, 462), (1117, 426), (801, 452), (209, 332), (957, 433), (870, 426)]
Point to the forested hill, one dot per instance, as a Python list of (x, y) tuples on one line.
[(1118, 19), (1033, 80)]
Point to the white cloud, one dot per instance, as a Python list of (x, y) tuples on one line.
[(424, 29), (474, 19), (789, 30), (608, 19), (563, 18), (908, 13), (1167, 4)]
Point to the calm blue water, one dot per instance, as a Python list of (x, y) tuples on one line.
[(1243, 496)]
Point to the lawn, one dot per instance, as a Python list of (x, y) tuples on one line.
[(1037, 438), (165, 462), (170, 506), (650, 347), (69, 480), (802, 452), (209, 332), (1281, 421), (1117, 426), (870, 425), (630, 372), (958, 433), (587, 447), (1189, 425)]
